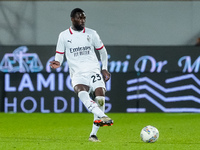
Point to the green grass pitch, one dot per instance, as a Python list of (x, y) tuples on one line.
[(70, 131)]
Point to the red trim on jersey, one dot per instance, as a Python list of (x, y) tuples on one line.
[(70, 30), (100, 48), (59, 52)]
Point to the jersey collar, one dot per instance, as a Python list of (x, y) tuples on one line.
[(71, 30)]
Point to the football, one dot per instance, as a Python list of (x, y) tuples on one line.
[(149, 134)]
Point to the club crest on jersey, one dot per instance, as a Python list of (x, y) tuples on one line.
[(88, 38)]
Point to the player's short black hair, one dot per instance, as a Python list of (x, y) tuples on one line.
[(74, 11)]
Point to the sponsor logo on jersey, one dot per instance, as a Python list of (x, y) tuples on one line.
[(77, 49)]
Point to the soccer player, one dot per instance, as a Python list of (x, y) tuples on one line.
[(79, 43)]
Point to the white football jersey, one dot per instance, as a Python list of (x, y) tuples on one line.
[(79, 48)]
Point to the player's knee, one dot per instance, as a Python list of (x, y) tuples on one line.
[(100, 100), (100, 91)]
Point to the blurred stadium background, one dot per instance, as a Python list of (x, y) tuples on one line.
[(153, 56)]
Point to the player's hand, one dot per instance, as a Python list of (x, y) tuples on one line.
[(54, 64), (106, 75)]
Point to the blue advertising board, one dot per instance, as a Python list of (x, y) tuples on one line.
[(143, 79)]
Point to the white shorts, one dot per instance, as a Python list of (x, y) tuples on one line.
[(92, 79)]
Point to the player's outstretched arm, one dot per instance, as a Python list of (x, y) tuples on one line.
[(106, 75), (54, 64)]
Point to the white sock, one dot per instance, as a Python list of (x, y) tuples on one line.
[(102, 107), (90, 104), (94, 130), (100, 100)]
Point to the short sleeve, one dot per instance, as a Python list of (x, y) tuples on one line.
[(60, 47), (98, 44)]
